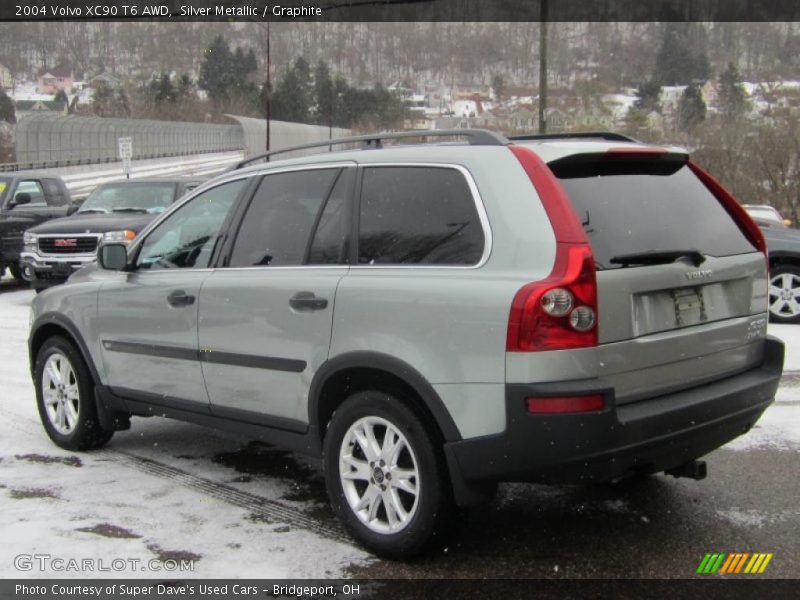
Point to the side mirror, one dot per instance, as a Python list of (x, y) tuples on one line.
[(20, 199), (113, 257), (72, 209)]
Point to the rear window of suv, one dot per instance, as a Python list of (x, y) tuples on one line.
[(640, 205)]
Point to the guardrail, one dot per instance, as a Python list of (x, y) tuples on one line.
[(56, 164)]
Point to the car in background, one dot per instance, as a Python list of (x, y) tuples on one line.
[(783, 250), (113, 212), (27, 199), (766, 215)]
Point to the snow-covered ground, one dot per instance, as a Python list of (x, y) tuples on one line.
[(162, 490), (169, 490)]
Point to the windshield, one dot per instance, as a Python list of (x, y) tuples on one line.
[(4, 183), (150, 198)]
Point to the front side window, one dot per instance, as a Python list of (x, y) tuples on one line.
[(187, 238), (276, 228), (418, 215)]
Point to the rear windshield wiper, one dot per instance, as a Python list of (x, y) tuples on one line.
[(657, 257), (130, 209), (92, 210)]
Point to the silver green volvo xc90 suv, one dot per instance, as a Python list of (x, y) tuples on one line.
[(430, 320)]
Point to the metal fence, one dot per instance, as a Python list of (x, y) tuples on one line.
[(283, 134), (57, 140)]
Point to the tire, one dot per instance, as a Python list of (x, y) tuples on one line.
[(426, 498), (784, 294), (15, 271), (68, 413)]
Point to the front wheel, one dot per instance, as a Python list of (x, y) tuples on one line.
[(385, 476), (65, 397), (784, 294), (16, 271)]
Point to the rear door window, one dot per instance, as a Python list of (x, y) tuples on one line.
[(634, 206), (418, 215)]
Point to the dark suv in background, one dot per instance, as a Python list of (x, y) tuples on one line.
[(27, 199), (113, 212), (783, 248)]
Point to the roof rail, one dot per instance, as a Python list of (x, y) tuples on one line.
[(600, 135), (475, 137)]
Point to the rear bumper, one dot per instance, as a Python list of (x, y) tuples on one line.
[(646, 436)]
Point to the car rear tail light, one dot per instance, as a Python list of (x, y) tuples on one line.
[(735, 210), (557, 302), (565, 404), (582, 319), (560, 311)]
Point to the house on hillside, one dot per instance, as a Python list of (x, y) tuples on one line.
[(105, 79), (51, 81)]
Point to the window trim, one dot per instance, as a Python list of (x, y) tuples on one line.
[(476, 199)]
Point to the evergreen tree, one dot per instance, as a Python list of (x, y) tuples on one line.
[(691, 108), (61, 96), (648, 97), (732, 97), (216, 70), (107, 102), (163, 91), (291, 100), (682, 57), (498, 87), (7, 111)]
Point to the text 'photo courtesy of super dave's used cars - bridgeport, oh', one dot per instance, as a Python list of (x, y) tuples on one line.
[(429, 319)]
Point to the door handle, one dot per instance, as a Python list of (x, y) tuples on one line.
[(180, 298), (307, 301)]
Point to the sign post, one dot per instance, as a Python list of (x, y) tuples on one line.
[(125, 145)]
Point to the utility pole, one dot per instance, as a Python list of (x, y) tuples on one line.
[(268, 94), (543, 66)]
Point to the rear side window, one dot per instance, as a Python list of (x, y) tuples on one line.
[(276, 228), (634, 206), (418, 215)]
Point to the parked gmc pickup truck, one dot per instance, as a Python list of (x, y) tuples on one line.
[(26, 200)]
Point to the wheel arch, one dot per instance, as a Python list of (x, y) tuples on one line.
[(348, 373), (783, 258), (51, 324)]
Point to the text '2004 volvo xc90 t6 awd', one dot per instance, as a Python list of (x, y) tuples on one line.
[(430, 320)]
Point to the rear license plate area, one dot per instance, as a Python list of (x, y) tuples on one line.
[(689, 306)]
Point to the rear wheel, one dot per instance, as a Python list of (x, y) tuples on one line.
[(65, 397), (385, 476), (784, 294)]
